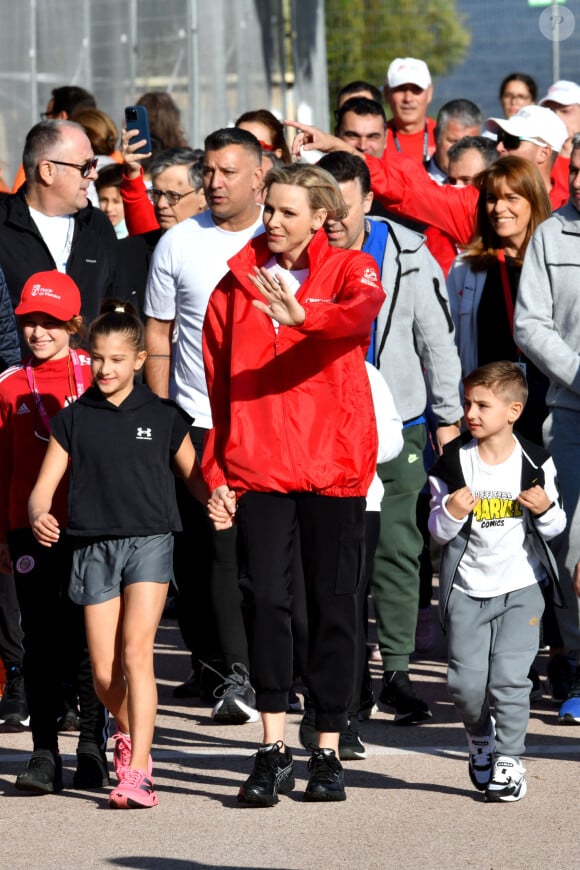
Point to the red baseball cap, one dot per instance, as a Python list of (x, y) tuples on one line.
[(52, 293)]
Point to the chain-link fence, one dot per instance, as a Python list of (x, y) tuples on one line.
[(219, 58)]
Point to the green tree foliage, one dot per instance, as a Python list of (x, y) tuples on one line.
[(363, 36)]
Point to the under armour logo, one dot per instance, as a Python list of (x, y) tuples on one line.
[(143, 434)]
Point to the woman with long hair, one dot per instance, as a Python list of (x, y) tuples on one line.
[(483, 280)]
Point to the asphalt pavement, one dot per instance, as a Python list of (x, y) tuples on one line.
[(410, 802)]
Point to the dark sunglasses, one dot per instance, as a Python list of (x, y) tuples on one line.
[(512, 143), (85, 168)]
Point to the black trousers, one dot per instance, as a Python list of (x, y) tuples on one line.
[(55, 644), (11, 650), (331, 534), (209, 601)]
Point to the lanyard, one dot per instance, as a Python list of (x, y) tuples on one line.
[(78, 378), (507, 292), (425, 143)]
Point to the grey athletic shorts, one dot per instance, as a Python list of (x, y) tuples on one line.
[(101, 569)]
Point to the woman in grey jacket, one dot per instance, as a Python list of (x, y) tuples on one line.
[(483, 281)]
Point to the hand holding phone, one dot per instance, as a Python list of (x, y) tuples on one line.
[(136, 119)]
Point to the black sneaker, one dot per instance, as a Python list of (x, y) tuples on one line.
[(43, 774), (307, 733), (326, 781), (536, 692), (398, 694), (188, 689), (350, 747), (273, 774), (70, 720), (560, 672), (237, 700), (13, 705), (92, 769)]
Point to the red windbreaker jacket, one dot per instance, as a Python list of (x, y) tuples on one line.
[(292, 409)]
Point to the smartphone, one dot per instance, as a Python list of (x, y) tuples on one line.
[(136, 119)]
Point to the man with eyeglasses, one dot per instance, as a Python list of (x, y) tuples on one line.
[(538, 135), (50, 224), (176, 194)]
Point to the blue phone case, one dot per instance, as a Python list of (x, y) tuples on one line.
[(136, 119)]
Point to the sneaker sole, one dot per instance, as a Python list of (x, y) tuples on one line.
[(413, 718), (14, 724), (38, 788), (323, 796), (270, 800), (236, 713), (496, 798), (127, 803), (365, 714), (351, 754)]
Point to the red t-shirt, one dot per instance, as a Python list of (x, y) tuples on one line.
[(24, 438), (416, 145)]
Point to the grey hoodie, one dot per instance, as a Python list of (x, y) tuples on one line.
[(547, 312), (415, 335)]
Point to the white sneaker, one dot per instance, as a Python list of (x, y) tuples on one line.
[(481, 751), (508, 780)]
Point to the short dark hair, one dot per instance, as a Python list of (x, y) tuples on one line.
[(42, 138), (360, 106), (357, 87), (190, 157), (462, 111), (483, 144), (233, 136), (347, 167), (503, 378), (110, 175), (70, 98), (529, 82)]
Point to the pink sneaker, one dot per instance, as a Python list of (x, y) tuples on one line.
[(122, 754), (134, 792)]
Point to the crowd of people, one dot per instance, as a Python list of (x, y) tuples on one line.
[(304, 373)]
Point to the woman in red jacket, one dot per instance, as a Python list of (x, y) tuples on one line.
[(294, 438)]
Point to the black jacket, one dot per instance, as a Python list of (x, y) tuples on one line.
[(9, 346), (93, 261)]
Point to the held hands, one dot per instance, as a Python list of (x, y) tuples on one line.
[(128, 147), (534, 499), (281, 304), (45, 529), (461, 502), (222, 507)]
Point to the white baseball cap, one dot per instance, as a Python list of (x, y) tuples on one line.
[(563, 92), (534, 124), (408, 71)]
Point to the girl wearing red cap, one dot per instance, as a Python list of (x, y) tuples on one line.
[(31, 393)]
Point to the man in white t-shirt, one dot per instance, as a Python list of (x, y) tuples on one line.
[(189, 261)]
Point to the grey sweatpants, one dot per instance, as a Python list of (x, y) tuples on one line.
[(492, 644)]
